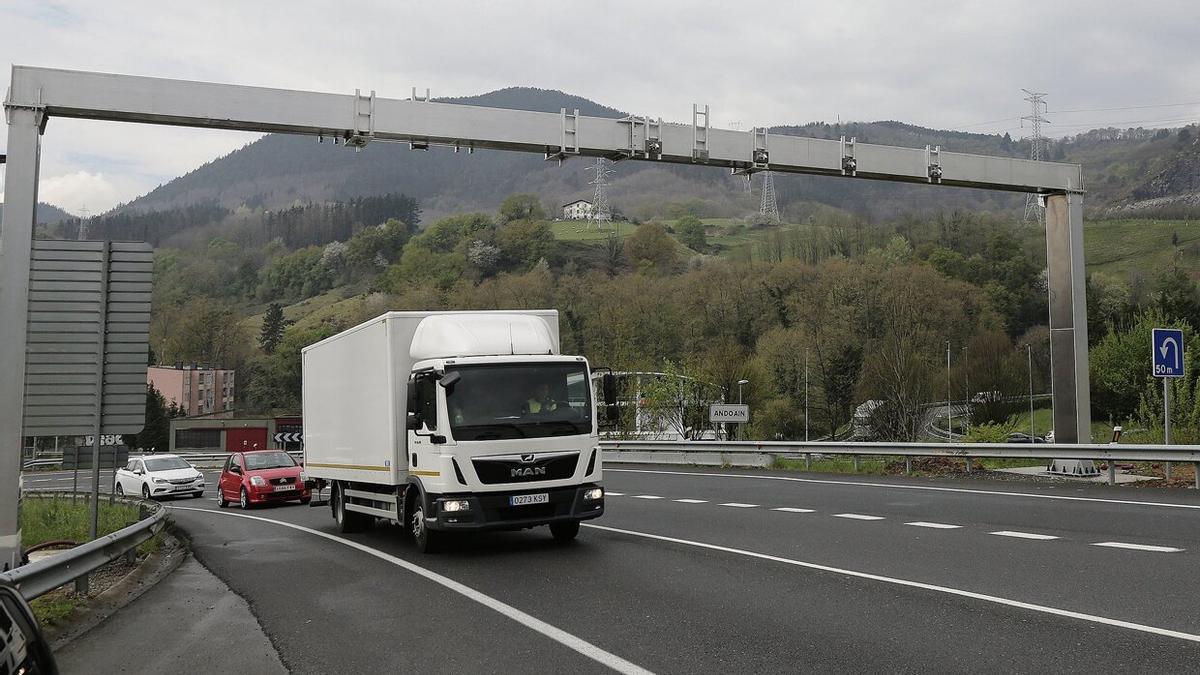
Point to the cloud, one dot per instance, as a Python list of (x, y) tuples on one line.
[(940, 63), (75, 191)]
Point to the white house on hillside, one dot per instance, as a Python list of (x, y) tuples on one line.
[(580, 209)]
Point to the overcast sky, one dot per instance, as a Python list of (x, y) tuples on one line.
[(940, 64)]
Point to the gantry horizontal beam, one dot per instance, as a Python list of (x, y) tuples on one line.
[(68, 93)]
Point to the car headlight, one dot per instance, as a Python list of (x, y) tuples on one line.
[(161, 481), (593, 494), (456, 505), (258, 481)]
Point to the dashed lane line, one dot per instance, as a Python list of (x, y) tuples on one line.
[(646, 497), (614, 494), (857, 516), (934, 526), (557, 634), (739, 505), (1024, 535), (792, 509), (1044, 609), (691, 501), (1139, 547)]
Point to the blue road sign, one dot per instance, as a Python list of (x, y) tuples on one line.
[(1168, 352)]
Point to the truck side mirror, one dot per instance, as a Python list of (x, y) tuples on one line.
[(449, 379), (413, 422), (24, 649), (608, 385)]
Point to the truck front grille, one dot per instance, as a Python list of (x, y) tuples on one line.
[(526, 468)]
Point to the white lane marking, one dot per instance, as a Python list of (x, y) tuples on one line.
[(646, 497), (1139, 547), (557, 634), (935, 526), (790, 509), (931, 488), (857, 516), (1190, 637), (692, 501), (1024, 535), (739, 505), (614, 494)]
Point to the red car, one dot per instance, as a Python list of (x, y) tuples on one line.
[(260, 477)]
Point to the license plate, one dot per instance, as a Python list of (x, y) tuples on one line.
[(521, 500), (284, 488)]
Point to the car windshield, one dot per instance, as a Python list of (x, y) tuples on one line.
[(519, 400), (269, 460), (166, 464)]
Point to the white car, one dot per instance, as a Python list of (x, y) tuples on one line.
[(159, 476)]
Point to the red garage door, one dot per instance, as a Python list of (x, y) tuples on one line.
[(245, 438)]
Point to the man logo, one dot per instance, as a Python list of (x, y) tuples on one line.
[(528, 472)]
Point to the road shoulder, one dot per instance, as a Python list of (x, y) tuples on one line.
[(192, 619)]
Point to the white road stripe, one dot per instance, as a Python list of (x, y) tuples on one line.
[(614, 494), (789, 509), (1024, 535), (557, 634), (739, 505), (936, 526), (692, 501), (1190, 637), (646, 497), (856, 516), (901, 486), (1139, 547)]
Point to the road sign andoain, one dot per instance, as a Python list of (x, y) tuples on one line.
[(728, 412), (1167, 354)]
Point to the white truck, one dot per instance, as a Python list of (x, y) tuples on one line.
[(452, 421)]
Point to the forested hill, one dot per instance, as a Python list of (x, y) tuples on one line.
[(278, 171), (46, 214)]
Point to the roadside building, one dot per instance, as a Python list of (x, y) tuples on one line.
[(580, 209), (213, 434), (197, 390)]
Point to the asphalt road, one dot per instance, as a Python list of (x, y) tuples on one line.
[(701, 571)]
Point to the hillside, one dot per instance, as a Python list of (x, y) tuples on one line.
[(278, 171), (47, 214)]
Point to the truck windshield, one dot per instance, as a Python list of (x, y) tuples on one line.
[(519, 400)]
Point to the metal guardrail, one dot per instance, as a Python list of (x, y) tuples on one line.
[(43, 576), (192, 457), (763, 453)]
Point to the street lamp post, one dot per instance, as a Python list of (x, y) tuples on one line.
[(806, 394), (967, 380), (1029, 353), (949, 419), (741, 425)]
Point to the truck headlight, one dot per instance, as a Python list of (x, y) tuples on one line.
[(593, 494), (258, 481), (456, 505)]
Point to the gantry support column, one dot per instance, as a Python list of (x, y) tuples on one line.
[(16, 237), (1068, 318)]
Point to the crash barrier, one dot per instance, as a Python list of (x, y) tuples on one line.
[(45, 575), (765, 453)]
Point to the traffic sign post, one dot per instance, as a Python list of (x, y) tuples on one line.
[(1166, 361)]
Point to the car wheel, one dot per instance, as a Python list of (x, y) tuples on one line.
[(120, 490), (347, 521), (564, 532), (426, 540), (221, 501), (145, 491), (244, 500), (199, 494)]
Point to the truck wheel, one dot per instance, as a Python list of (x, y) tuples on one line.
[(347, 521), (425, 539), (564, 531)]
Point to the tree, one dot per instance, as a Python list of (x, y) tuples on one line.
[(156, 435), (521, 206), (650, 247), (691, 233), (272, 328), (1177, 297)]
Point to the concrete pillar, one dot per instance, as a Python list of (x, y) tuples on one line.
[(1068, 319), (16, 237)]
